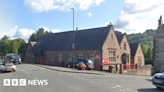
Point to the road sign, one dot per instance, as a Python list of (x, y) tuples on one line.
[(97, 56)]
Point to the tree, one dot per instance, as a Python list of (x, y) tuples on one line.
[(150, 53), (144, 49), (13, 47), (39, 32)]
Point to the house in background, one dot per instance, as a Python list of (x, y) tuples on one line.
[(56, 48), (137, 56)]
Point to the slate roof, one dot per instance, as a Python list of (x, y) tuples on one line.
[(87, 39), (36, 47), (133, 47), (119, 38)]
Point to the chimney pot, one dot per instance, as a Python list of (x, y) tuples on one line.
[(160, 21), (110, 23)]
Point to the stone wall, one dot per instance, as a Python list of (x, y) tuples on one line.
[(158, 54), (141, 70)]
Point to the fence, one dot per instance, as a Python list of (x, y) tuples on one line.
[(129, 67)]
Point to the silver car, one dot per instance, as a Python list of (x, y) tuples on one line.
[(7, 66), (158, 80)]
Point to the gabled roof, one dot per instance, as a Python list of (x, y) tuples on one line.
[(133, 47), (88, 39), (36, 47), (119, 38)]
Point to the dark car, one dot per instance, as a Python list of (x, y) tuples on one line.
[(15, 58), (87, 62)]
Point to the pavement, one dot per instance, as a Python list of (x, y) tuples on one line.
[(61, 79), (65, 69)]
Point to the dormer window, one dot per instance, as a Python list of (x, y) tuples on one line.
[(124, 46)]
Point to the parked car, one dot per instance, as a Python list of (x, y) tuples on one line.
[(7, 66), (15, 58), (87, 62), (158, 80)]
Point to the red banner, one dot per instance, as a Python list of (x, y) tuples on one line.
[(105, 60)]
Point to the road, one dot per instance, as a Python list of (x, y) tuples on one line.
[(59, 81)]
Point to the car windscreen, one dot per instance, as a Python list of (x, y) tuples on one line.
[(8, 63), (14, 56)]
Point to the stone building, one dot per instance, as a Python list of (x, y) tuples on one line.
[(159, 47), (56, 48), (137, 56)]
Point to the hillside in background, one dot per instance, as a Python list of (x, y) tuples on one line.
[(145, 38)]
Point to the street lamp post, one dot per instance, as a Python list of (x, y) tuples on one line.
[(73, 44)]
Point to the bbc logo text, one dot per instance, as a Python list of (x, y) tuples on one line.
[(24, 82)]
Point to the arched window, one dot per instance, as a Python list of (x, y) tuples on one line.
[(124, 46)]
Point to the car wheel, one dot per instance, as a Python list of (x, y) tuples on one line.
[(69, 65), (158, 87)]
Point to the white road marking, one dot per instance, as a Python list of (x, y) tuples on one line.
[(113, 87), (121, 90), (27, 72), (35, 77), (117, 86)]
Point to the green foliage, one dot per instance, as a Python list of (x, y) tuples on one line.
[(17, 46), (40, 31), (150, 53), (145, 38)]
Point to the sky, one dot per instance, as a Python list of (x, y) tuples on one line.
[(21, 18)]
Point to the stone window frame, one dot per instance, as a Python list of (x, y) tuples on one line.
[(51, 56), (124, 46), (112, 56), (92, 56), (59, 56), (80, 55), (70, 57)]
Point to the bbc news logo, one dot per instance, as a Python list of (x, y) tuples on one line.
[(23, 82)]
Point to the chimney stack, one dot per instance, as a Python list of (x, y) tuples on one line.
[(160, 21), (76, 28), (110, 23)]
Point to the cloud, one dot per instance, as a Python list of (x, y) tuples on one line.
[(141, 6), (37, 6), (23, 33), (9, 33), (89, 14), (53, 30), (139, 15)]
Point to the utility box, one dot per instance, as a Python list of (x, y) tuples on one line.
[(111, 69)]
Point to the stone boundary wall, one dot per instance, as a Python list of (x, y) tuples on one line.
[(141, 70)]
